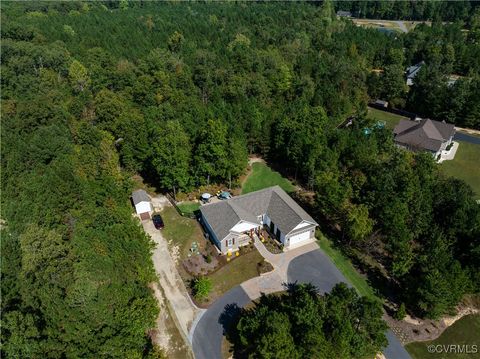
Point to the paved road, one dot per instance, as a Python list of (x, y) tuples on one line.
[(459, 136), (314, 267)]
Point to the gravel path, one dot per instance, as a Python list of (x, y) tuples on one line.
[(172, 284)]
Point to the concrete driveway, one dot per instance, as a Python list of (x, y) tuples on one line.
[(313, 266)]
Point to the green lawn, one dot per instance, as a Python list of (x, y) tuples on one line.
[(237, 271), (465, 165), (188, 207), (346, 267), (181, 231), (390, 119), (463, 332), (263, 176)]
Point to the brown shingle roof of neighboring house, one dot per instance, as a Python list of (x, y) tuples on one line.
[(273, 201), (425, 134)]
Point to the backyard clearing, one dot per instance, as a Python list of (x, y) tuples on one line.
[(462, 332), (188, 207), (465, 165), (390, 119), (262, 177), (181, 232)]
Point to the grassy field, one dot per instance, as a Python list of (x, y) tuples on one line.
[(237, 271), (390, 119), (465, 165), (374, 23), (263, 176), (181, 231), (188, 207), (463, 332), (346, 267)]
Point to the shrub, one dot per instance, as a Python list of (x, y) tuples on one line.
[(202, 286), (401, 312), (208, 258)]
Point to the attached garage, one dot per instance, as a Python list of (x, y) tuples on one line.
[(298, 239)]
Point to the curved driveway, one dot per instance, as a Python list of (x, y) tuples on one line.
[(314, 267)]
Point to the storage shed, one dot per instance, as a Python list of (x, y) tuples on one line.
[(142, 203)]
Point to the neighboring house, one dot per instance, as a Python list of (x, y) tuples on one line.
[(342, 13), (412, 71), (142, 203), (424, 135), (230, 223)]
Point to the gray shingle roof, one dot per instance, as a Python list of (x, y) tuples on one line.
[(426, 134), (140, 196), (412, 71), (273, 201)]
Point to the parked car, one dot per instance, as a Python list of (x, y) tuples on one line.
[(158, 221)]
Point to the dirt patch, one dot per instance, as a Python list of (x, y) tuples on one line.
[(413, 329), (166, 334)]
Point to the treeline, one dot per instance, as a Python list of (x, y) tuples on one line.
[(396, 207), (75, 267), (422, 10)]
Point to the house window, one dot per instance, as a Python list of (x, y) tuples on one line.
[(230, 242)]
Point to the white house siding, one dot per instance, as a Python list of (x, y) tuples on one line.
[(239, 240), (266, 220), (143, 207)]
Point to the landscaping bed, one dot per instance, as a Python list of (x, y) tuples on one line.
[(272, 245)]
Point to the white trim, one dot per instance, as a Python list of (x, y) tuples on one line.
[(310, 223)]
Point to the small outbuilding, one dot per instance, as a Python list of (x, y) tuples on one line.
[(143, 205)]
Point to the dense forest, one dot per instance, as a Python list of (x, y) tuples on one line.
[(302, 324), (94, 92)]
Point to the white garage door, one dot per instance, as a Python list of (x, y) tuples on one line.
[(298, 238)]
